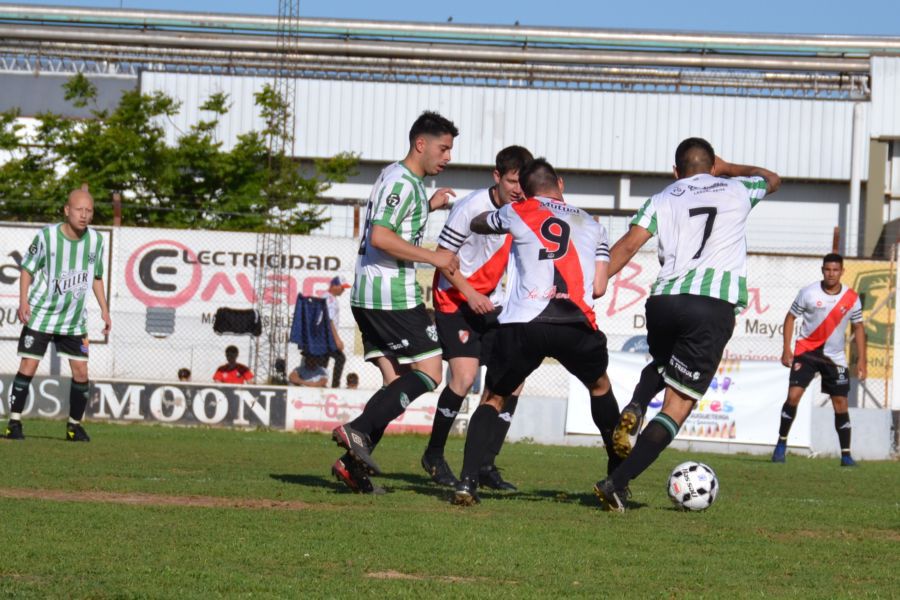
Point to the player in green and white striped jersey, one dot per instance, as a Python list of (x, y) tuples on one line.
[(700, 222), (62, 264), (398, 335)]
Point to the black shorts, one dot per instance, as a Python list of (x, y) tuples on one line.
[(687, 335), (466, 334), (407, 335), (835, 378), (520, 348), (33, 344)]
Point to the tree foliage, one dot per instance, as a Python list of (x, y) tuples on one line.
[(193, 183)]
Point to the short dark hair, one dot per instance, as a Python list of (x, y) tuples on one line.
[(687, 146), (431, 123), (184, 373), (512, 158), (352, 378), (231, 350), (537, 176), (833, 257)]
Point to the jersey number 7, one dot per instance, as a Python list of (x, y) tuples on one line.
[(710, 212)]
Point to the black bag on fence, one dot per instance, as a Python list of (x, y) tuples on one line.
[(237, 322)]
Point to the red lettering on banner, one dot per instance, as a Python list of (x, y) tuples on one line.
[(625, 284), (280, 285), (754, 301), (246, 287), (215, 282), (314, 286)]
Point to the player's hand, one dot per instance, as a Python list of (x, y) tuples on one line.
[(24, 313), (787, 358), (446, 261), (480, 304), (861, 369), (441, 198), (107, 323)]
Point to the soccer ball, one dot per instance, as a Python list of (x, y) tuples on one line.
[(693, 486)]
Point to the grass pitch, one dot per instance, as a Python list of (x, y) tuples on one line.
[(151, 511)]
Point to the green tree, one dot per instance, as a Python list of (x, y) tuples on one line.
[(191, 184)]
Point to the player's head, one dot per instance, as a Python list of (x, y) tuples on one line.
[(693, 156), (352, 381), (832, 269), (79, 209), (539, 178), (430, 142), (509, 162), (231, 354)]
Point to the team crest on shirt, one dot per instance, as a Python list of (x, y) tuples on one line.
[(29, 341), (431, 331), (463, 336), (392, 200), (677, 191), (92, 257)]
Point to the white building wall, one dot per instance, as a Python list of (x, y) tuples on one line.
[(885, 111), (576, 130)]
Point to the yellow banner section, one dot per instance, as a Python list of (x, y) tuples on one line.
[(874, 281)]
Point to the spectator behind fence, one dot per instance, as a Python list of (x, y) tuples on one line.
[(233, 371), (335, 290), (279, 373), (311, 372), (352, 381), (184, 374)]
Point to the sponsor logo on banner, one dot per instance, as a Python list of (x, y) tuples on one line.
[(317, 409)]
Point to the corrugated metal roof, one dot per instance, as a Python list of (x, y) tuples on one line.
[(576, 130), (885, 97)]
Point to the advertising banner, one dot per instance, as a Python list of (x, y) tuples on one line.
[(742, 405)]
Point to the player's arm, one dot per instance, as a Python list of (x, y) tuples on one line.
[(787, 356), (601, 277), (100, 294), (723, 168), (491, 221), (627, 246), (24, 311), (478, 302), (390, 243), (859, 338)]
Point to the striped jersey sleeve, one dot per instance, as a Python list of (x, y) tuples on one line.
[(36, 254), (98, 255), (856, 315), (395, 201), (456, 230), (646, 217), (756, 188), (602, 251), (498, 220), (797, 309)]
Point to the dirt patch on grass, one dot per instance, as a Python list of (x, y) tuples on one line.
[(423, 577), (139, 499), (829, 534)]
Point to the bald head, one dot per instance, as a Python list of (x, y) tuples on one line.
[(79, 211), (693, 156)]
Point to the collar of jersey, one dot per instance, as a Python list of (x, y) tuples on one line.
[(546, 199), (400, 162), (63, 236)]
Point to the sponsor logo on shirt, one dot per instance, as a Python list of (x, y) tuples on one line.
[(71, 281), (392, 200)]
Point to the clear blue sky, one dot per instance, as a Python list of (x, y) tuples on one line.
[(858, 17)]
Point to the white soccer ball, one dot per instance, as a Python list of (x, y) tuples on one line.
[(693, 486)]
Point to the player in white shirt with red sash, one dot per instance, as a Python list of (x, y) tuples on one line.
[(825, 308)]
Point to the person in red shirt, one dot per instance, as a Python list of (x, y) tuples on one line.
[(233, 371)]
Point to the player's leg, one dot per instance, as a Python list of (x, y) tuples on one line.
[(489, 475), (835, 383), (463, 370), (661, 337), (75, 348), (31, 348), (788, 414), (340, 359), (516, 353)]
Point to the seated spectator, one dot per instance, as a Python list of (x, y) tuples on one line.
[(233, 371), (311, 372), (184, 374), (352, 381)]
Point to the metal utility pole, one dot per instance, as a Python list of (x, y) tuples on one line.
[(273, 246)]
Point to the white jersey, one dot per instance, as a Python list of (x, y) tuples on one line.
[(825, 317), (482, 258), (555, 249), (334, 309), (701, 223), (397, 202)]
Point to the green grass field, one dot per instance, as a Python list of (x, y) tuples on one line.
[(165, 512)]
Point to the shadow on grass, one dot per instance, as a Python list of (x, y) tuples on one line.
[(316, 481)]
